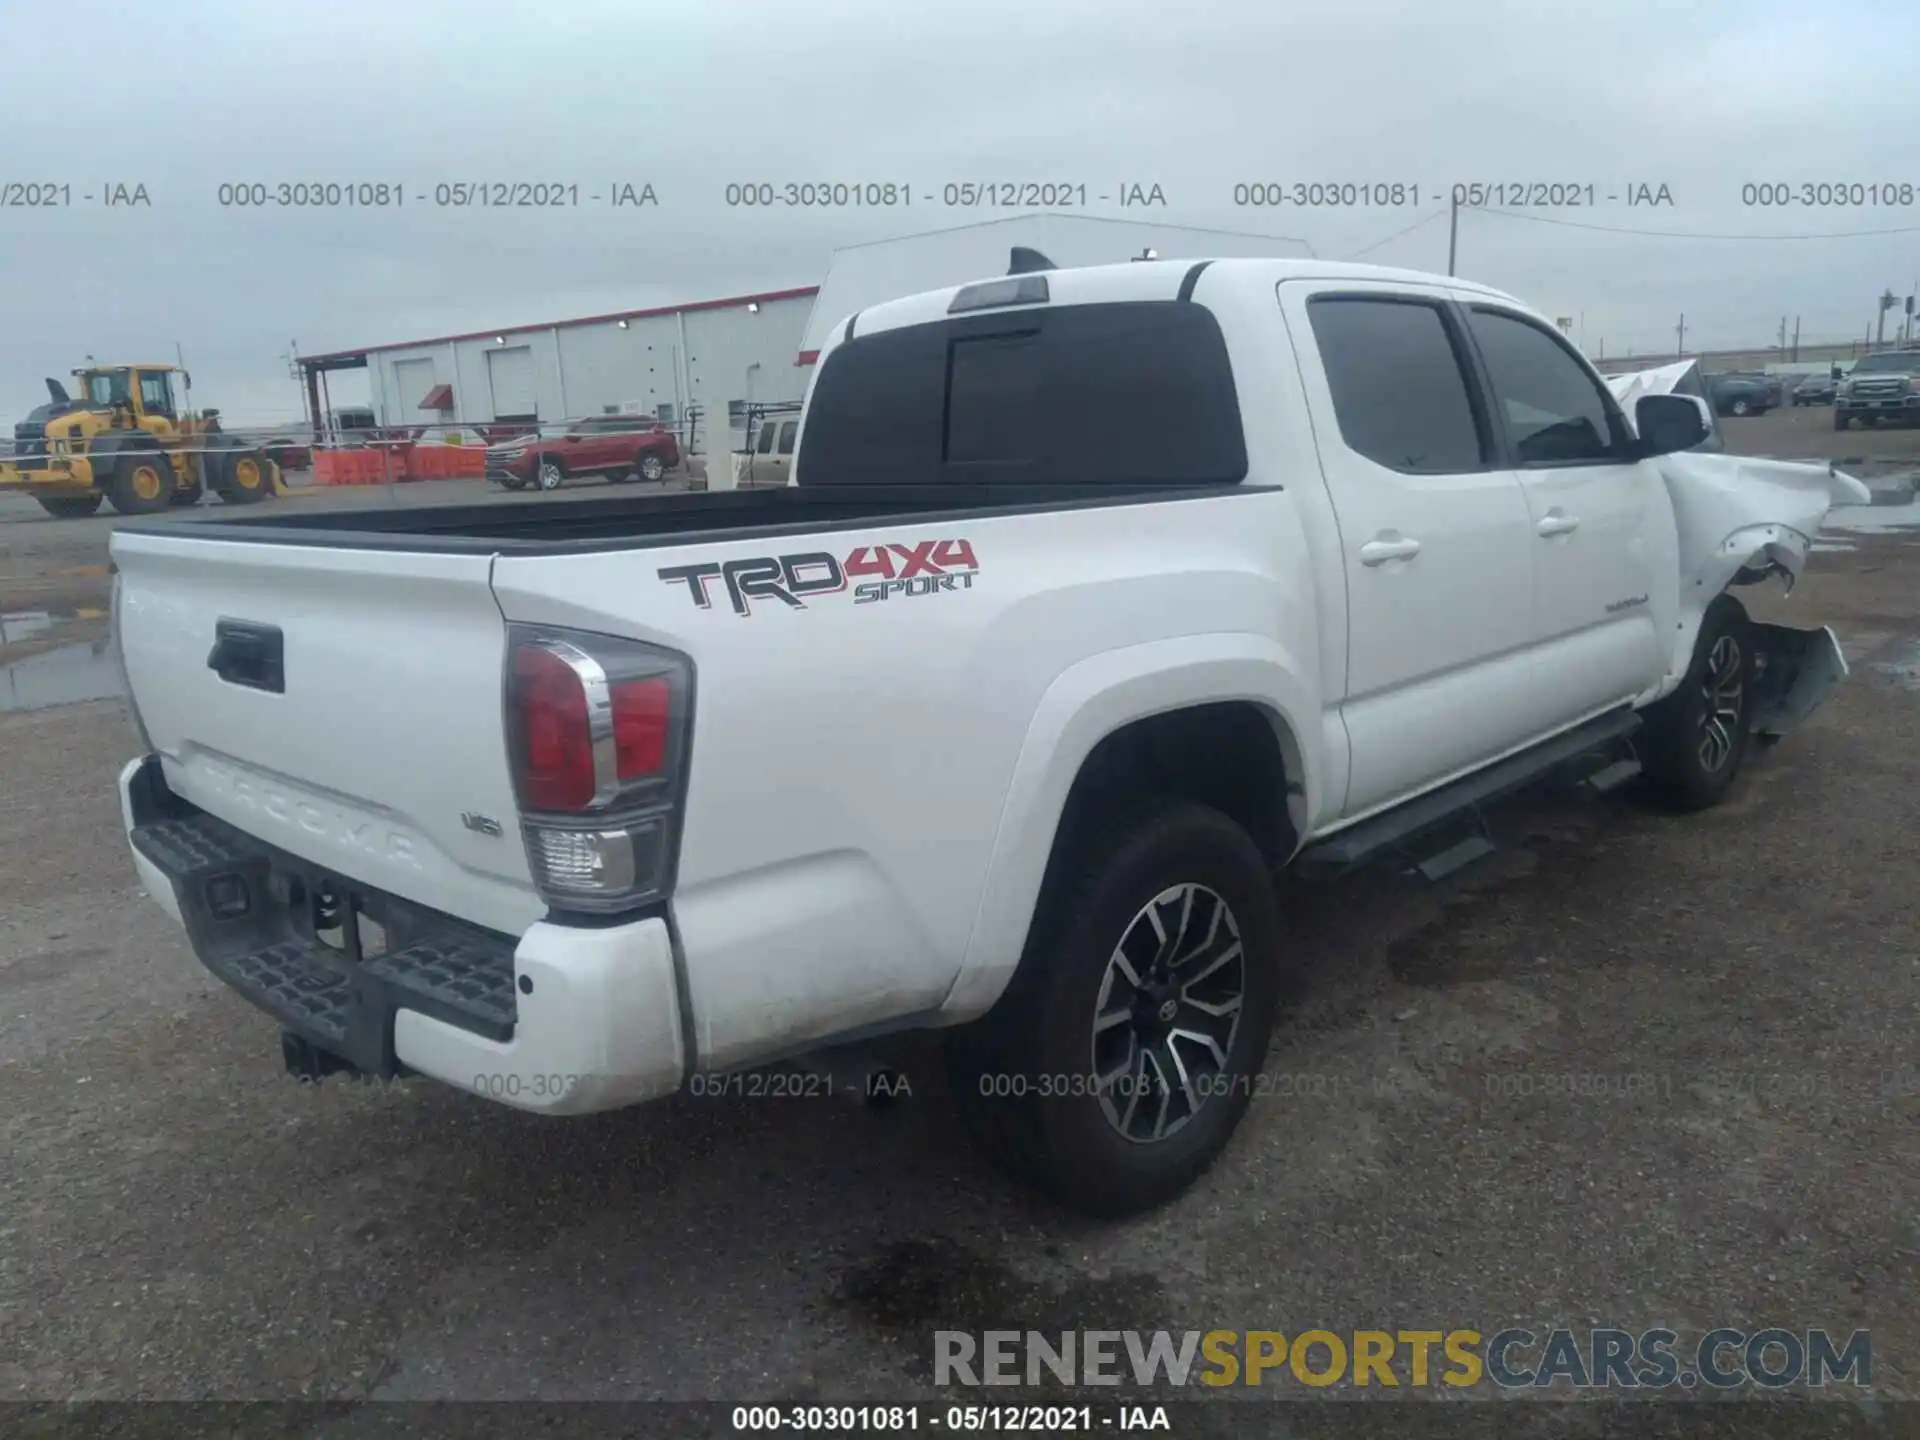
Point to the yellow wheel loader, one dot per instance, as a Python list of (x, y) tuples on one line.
[(124, 440)]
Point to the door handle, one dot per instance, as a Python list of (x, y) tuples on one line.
[(251, 655), (1554, 522), (1379, 552)]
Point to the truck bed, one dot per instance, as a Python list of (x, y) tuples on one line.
[(645, 521)]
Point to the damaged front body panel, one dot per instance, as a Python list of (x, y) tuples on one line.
[(1741, 520)]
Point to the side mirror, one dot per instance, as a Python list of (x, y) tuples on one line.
[(1670, 423)]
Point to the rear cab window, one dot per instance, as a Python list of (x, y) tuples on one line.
[(1398, 383), (1128, 393)]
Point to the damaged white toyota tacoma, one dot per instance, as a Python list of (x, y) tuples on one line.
[(1097, 598)]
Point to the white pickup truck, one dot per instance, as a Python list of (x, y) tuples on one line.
[(1097, 597)]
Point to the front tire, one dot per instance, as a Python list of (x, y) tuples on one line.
[(142, 483), (243, 477), (1122, 1056), (549, 475), (1740, 407), (1696, 738)]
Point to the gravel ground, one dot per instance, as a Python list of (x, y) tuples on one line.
[(1636, 1070)]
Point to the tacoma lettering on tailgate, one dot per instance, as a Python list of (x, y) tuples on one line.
[(925, 567)]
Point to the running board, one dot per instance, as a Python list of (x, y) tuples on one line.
[(1396, 828)]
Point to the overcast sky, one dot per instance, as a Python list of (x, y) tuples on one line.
[(1700, 97)]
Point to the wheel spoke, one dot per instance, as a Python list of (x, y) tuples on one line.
[(1164, 1089), (1207, 1042), (1225, 957), (1180, 1069), (1213, 931)]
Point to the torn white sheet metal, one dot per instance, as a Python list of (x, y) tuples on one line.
[(1739, 512), (1659, 380), (1803, 667)]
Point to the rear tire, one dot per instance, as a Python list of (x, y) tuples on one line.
[(650, 467), (1131, 971), (142, 482), (69, 507), (1696, 738), (1740, 407)]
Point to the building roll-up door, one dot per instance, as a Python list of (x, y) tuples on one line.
[(510, 372)]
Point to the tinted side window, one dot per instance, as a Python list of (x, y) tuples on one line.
[(1555, 413), (1399, 390), (765, 444), (1136, 393), (787, 432)]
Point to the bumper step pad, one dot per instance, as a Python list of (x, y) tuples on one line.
[(271, 951)]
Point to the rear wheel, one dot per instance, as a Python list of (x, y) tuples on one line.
[(141, 484), (649, 466), (1696, 738), (1121, 1058), (549, 476), (1741, 406), (69, 507)]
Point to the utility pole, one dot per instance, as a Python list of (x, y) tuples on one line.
[(1680, 339), (1887, 301), (1453, 231), (1796, 338), (1782, 346)]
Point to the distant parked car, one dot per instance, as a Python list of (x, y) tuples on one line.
[(1814, 390), (1742, 394), (619, 447), (1883, 386), (289, 454)]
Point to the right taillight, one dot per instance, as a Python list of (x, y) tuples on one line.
[(597, 729)]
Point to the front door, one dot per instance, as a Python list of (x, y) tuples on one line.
[(1604, 548), (1434, 533)]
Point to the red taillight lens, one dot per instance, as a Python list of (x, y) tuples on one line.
[(556, 741), (641, 711)]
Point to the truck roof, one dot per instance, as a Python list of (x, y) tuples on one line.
[(1159, 280)]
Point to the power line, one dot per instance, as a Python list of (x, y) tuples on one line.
[(1694, 234), (1408, 230)]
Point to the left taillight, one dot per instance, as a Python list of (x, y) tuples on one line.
[(597, 728)]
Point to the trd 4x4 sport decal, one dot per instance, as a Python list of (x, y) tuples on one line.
[(925, 567)]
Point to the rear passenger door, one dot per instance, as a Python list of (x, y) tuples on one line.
[(1604, 549), (1434, 533)]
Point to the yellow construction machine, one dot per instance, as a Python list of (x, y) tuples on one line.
[(123, 439)]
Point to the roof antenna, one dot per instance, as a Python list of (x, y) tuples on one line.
[(1027, 262)]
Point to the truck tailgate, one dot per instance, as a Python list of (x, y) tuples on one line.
[(381, 755)]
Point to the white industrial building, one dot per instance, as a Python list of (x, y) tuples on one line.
[(711, 357), (718, 357)]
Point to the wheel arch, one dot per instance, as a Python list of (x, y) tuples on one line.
[(1749, 556), (1221, 719)]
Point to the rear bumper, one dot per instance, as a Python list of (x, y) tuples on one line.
[(562, 1021)]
